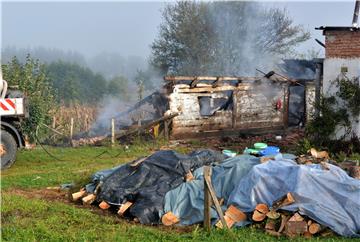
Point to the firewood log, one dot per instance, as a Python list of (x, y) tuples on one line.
[(295, 228), (284, 220), (272, 214), (262, 208), (319, 154), (296, 217), (257, 216), (77, 195), (354, 172), (283, 201), (315, 228), (89, 199), (104, 205), (124, 207), (270, 224), (169, 219), (189, 176), (260, 212)]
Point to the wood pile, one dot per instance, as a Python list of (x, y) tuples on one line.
[(278, 222)]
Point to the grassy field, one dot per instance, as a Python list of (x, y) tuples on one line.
[(30, 213)]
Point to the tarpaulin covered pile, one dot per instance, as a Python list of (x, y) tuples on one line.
[(156, 186), (329, 197), (146, 183)]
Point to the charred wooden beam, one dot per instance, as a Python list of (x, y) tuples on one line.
[(146, 126), (209, 78), (194, 82)]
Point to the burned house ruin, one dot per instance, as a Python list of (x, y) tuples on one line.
[(216, 106)]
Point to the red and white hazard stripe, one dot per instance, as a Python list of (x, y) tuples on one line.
[(11, 106), (7, 104)]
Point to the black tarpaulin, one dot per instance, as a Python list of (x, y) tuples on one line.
[(147, 183)]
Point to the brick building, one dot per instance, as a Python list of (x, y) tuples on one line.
[(342, 59)]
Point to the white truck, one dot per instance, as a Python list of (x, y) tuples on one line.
[(12, 111)]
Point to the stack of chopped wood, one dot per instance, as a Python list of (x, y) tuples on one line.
[(323, 158), (278, 222), (90, 199)]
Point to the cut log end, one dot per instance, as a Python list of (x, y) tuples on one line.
[(89, 199), (189, 176), (315, 228), (272, 214), (262, 208), (124, 207), (104, 205), (296, 217), (232, 216), (229, 222), (257, 216), (77, 195), (169, 219)]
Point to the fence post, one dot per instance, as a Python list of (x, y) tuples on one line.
[(54, 122), (71, 129), (112, 131)]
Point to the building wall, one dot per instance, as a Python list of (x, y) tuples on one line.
[(342, 44), (342, 58), (251, 109)]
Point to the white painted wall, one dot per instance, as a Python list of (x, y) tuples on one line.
[(332, 70)]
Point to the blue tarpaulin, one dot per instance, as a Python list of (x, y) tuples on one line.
[(330, 197)]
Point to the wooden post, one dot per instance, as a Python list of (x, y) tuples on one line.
[(166, 129), (54, 122), (207, 200), (112, 131), (71, 129), (215, 201)]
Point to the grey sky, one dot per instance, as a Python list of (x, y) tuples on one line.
[(127, 27)]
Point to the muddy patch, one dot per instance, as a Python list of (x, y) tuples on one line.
[(56, 195)]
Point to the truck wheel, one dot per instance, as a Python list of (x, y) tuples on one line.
[(8, 148)]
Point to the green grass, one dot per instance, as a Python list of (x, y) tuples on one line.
[(26, 218)]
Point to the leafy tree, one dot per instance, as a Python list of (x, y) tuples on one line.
[(185, 39), (117, 87), (76, 84), (222, 38), (32, 80)]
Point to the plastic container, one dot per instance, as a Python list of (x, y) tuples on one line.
[(260, 146), (229, 153), (251, 151), (270, 150)]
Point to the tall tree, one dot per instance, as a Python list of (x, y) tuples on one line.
[(222, 38), (32, 80), (184, 39), (76, 84)]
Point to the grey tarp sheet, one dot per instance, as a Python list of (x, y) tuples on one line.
[(187, 200), (330, 197)]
